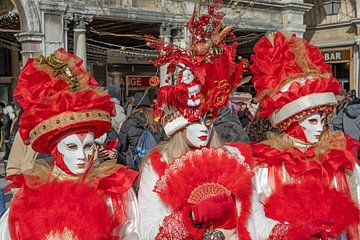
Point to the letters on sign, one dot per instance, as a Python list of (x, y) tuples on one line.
[(137, 81), (337, 55), (334, 56)]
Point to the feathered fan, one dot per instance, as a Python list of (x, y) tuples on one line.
[(206, 173), (300, 203)]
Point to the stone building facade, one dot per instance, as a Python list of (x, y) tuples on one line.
[(338, 37), (46, 25)]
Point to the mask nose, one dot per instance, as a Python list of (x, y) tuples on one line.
[(81, 154), (319, 127)]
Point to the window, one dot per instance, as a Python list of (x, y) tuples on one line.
[(341, 73)]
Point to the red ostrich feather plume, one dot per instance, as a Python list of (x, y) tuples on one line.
[(205, 173), (59, 210), (300, 203)]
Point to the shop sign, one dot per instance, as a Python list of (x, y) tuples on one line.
[(138, 81), (338, 55)]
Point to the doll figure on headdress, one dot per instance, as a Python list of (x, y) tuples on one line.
[(308, 177), (71, 197), (193, 186)]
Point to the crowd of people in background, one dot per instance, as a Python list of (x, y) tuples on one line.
[(195, 158), (235, 122)]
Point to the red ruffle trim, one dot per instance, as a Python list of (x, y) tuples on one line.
[(269, 104), (276, 60), (305, 165)]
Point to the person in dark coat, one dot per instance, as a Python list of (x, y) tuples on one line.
[(228, 126), (132, 129), (348, 119)]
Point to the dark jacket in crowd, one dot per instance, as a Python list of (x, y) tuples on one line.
[(130, 133), (228, 126), (348, 119), (133, 128)]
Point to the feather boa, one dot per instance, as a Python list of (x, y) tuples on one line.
[(66, 210), (297, 204)]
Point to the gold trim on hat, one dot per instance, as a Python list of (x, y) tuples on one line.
[(67, 118)]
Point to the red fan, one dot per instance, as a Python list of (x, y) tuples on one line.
[(300, 203), (206, 173)]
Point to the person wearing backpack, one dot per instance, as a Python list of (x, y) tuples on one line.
[(133, 128)]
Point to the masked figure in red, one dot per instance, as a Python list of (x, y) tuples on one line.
[(193, 186), (308, 177), (72, 197)]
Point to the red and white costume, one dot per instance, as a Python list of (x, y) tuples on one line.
[(61, 101), (170, 189), (299, 180)]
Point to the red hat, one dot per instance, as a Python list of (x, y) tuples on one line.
[(210, 61), (59, 98), (291, 79)]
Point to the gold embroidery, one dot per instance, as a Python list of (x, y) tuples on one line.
[(58, 174), (60, 70), (207, 190), (66, 234), (328, 141), (67, 118)]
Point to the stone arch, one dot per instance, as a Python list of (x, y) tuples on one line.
[(29, 15), (30, 37)]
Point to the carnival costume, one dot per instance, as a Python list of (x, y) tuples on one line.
[(197, 194), (60, 99), (308, 182)]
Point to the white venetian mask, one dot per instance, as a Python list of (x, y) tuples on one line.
[(187, 76), (76, 150), (313, 126), (197, 134)]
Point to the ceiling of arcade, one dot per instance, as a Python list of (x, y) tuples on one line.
[(9, 25)]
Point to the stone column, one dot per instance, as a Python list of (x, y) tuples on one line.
[(293, 16), (31, 44), (165, 35), (356, 56), (15, 66), (68, 18), (80, 23)]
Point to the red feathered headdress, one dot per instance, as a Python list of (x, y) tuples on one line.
[(291, 79), (59, 210), (211, 63), (60, 98)]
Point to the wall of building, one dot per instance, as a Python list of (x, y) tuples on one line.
[(338, 38)]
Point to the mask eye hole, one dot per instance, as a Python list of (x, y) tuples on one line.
[(88, 146), (208, 122), (71, 146), (313, 121)]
